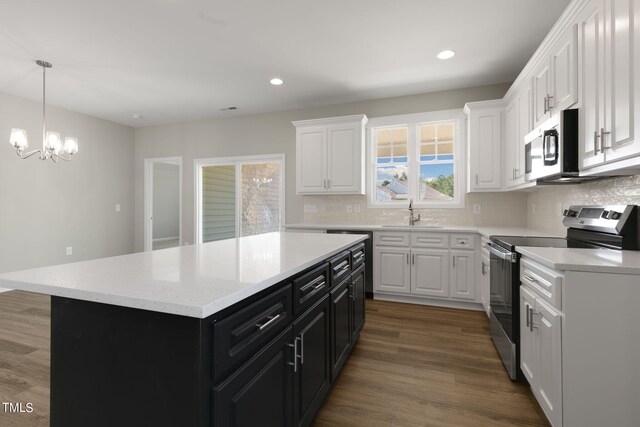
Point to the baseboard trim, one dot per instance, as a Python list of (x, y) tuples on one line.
[(474, 306)]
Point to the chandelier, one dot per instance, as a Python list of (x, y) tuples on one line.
[(52, 147)]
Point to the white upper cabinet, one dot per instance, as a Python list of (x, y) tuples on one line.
[(555, 78), (330, 155), (608, 61), (484, 135)]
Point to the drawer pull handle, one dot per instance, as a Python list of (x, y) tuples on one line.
[(270, 320), (342, 264), (357, 256), (529, 278), (321, 285)]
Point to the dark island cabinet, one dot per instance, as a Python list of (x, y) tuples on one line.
[(260, 392), (269, 360), (358, 280), (312, 378)]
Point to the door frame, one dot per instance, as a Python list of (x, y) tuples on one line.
[(148, 198), (198, 164)]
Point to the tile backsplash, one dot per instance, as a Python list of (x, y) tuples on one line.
[(545, 205), (505, 209)]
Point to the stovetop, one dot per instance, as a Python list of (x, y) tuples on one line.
[(510, 242)]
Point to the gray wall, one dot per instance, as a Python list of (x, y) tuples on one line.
[(166, 200), (45, 207), (267, 134)]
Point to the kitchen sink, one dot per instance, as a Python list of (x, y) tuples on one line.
[(410, 226)]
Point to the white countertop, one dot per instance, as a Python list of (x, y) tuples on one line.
[(486, 231), (194, 281), (595, 260)]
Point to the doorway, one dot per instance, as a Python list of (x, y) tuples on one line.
[(162, 203), (239, 196)]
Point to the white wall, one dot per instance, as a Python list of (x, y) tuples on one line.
[(46, 206), (269, 134), (166, 200)]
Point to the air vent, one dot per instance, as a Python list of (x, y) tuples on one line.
[(228, 108)]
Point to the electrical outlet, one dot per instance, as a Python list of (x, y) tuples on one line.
[(117, 207), (356, 208), (349, 208), (308, 208), (477, 209), (69, 250)]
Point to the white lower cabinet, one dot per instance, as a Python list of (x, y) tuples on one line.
[(430, 272), (422, 265), (392, 271), (540, 341), (483, 278)]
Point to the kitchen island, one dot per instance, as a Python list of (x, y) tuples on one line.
[(248, 331)]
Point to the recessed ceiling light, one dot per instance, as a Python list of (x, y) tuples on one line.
[(446, 54), (276, 81), (137, 116)]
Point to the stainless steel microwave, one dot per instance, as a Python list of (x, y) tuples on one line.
[(551, 149)]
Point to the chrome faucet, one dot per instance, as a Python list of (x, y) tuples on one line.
[(412, 219)]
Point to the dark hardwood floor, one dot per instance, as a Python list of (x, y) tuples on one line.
[(413, 366)]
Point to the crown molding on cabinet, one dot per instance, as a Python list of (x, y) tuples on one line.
[(357, 118)]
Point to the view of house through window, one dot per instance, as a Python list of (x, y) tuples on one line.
[(240, 198), (415, 161)]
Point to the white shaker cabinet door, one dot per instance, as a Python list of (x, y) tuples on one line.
[(392, 272), (462, 278), (430, 272), (344, 166), (311, 160), (548, 385), (528, 356)]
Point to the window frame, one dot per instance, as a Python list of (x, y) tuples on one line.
[(413, 121), (237, 161)]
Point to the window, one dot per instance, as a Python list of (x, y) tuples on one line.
[(238, 197), (419, 157)]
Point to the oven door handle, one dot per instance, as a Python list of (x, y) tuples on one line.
[(507, 256)]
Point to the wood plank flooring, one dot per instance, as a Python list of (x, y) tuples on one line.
[(413, 366), (426, 366)]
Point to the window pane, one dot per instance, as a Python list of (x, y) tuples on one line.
[(427, 133), (260, 202), (445, 148), (218, 202), (384, 152), (445, 132), (427, 149), (391, 183), (436, 182)]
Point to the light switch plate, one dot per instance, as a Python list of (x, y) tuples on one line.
[(309, 208), (117, 207), (477, 209), (69, 250)]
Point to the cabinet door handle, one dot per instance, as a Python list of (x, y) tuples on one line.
[(302, 349), (517, 173), (546, 104), (413, 258), (295, 355), (528, 321), (454, 261), (549, 98), (328, 183), (531, 325), (595, 142), (476, 179), (602, 134), (271, 319), (529, 278), (484, 272), (407, 258)]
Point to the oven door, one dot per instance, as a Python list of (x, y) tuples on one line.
[(502, 299)]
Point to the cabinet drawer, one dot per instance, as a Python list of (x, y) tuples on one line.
[(463, 241), (430, 240), (340, 267), (544, 281), (310, 287), (357, 256), (391, 239), (240, 335)]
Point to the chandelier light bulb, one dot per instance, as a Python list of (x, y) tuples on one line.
[(53, 142), (71, 145), (19, 139)]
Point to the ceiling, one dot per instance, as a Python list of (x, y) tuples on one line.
[(182, 60)]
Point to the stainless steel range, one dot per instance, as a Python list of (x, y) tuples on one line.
[(614, 227)]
